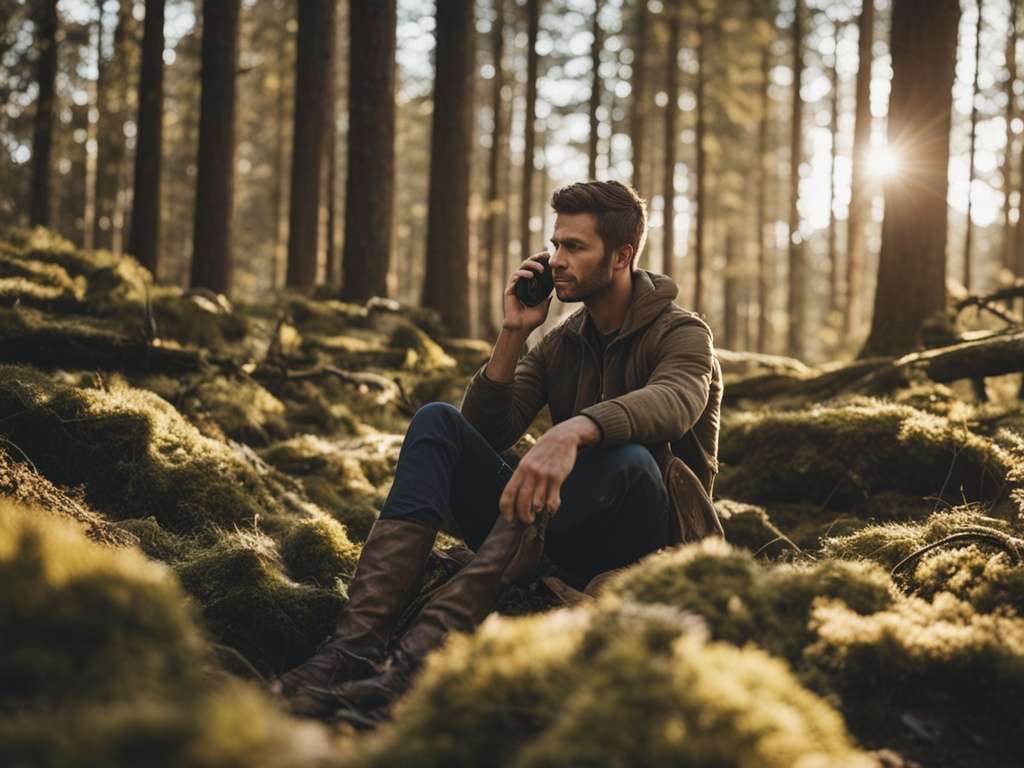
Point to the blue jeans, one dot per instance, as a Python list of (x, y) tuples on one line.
[(615, 507)]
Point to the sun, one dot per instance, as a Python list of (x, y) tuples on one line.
[(883, 161)]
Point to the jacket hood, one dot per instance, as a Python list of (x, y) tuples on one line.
[(652, 292)]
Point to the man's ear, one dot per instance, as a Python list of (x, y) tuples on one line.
[(623, 256)]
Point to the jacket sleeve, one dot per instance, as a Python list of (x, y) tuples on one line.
[(674, 397), (502, 411)]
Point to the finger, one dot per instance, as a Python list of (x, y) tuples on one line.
[(506, 505), (554, 498), (538, 501), (523, 501)]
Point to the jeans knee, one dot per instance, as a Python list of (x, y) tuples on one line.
[(434, 413), (637, 461)]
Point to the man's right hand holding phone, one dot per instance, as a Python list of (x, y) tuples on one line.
[(518, 316)]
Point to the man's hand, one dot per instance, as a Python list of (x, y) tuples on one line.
[(535, 484)]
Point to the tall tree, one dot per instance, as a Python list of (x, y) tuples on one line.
[(495, 208), (370, 185), (969, 233), (446, 285), (89, 213), (596, 43), (856, 219), (671, 137), (764, 172), (312, 69), (702, 164), (211, 243), (112, 102), (46, 20), (529, 126), (1011, 113), (329, 166), (638, 116), (731, 290), (923, 46), (797, 279), (277, 191), (833, 251), (144, 233)]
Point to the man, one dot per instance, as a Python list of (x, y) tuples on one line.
[(634, 391)]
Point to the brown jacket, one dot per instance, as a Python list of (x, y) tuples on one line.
[(661, 386)]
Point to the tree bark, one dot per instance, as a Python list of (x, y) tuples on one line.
[(969, 234), (731, 290), (370, 183), (329, 167), (47, 22), (211, 242), (597, 42), (702, 165), (529, 129), (112, 103), (671, 138), (277, 194), (855, 224), (639, 110), (495, 202), (914, 231), (312, 68), (144, 234), (1011, 113), (763, 267), (833, 251), (796, 279), (446, 283)]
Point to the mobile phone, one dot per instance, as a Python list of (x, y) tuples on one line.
[(532, 291)]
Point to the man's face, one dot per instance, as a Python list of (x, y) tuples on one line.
[(579, 264)]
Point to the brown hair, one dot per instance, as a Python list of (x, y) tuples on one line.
[(620, 212)]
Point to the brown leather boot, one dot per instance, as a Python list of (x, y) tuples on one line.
[(510, 554), (388, 576)]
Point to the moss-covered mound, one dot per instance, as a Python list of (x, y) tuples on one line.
[(743, 601), (841, 455), (135, 455), (101, 664), (616, 685)]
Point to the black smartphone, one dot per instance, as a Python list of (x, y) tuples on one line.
[(532, 291)]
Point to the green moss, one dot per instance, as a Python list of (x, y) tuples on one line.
[(249, 604), (235, 408), (606, 686), (81, 620), (155, 541), (319, 551), (743, 601), (841, 455), (133, 452), (750, 527), (423, 353), (980, 576), (889, 543), (917, 650)]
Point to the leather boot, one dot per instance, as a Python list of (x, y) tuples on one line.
[(388, 576), (510, 554)]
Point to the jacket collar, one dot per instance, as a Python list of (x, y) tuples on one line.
[(652, 292)]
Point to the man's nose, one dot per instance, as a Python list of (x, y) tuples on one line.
[(557, 260)]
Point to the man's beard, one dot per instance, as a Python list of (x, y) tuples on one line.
[(598, 281)]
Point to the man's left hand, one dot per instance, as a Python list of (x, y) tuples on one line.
[(535, 484)]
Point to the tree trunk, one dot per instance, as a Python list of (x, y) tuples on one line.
[(833, 251), (856, 224), (763, 267), (914, 231), (730, 297), (595, 89), (495, 202), (277, 194), (144, 234), (702, 165), (329, 166), (1011, 113), (639, 110), (446, 282), (312, 68), (671, 139), (43, 124), (529, 129), (370, 182), (112, 103), (797, 282), (211, 240), (969, 235), (92, 141)]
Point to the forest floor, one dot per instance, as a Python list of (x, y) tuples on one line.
[(185, 486)]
